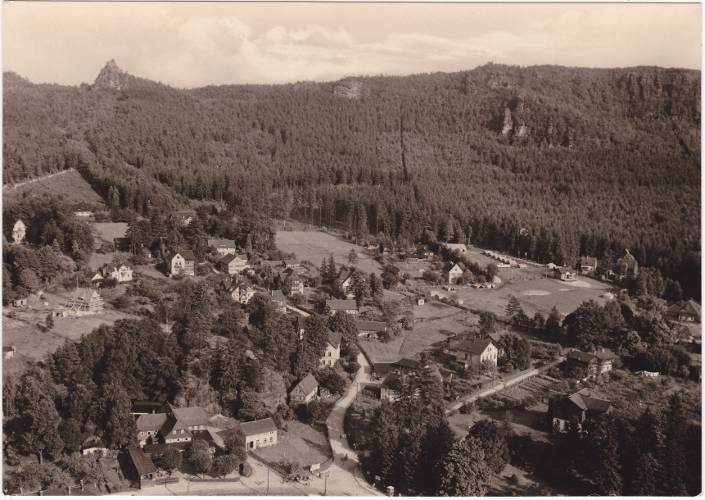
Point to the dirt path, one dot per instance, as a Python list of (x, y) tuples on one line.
[(37, 179), (344, 472)]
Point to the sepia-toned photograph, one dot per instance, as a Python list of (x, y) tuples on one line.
[(351, 249)]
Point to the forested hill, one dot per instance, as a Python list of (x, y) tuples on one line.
[(585, 160)]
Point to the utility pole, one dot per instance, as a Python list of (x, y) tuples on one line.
[(267, 479), (325, 482)]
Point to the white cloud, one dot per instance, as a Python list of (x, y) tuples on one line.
[(187, 45)]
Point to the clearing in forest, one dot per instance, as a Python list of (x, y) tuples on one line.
[(314, 246)]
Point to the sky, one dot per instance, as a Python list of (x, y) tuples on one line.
[(194, 44)]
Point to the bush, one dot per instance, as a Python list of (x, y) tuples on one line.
[(245, 469)]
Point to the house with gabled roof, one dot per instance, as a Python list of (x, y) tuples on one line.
[(259, 433), (19, 231), (627, 266), (279, 300), (170, 424), (233, 263), (142, 466), (686, 312), (575, 410), (183, 262), (120, 274), (593, 364), (332, 352), (333, 306), (305, 391), (370, 329), (474, 354), (453, 272), (243, 293), (222, 246)]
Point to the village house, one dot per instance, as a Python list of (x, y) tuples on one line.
[(593, 364), (563, 274), (349, 306), (627, 266), (183, 262), (453, 272), (588, 265), (144, 469), (243, 294), (19, 302), (332, 352), (686, 312), (222, 246), (305, 391), (170, 425), (476, 355), (8, 351), (461, 248), (575, 409), (390, 389), (296, 285), (347, 285), (84, 214), (233, 263), (279, 301), (184, 217), (370, 329), (83, 302), (120, 274), (19, 231), (259, 433)]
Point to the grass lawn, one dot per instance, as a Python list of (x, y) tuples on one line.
[(631, 394), (434, 322), (108, 231), (300, 443), (314, 246), (68, 185), (538, 294), (33, 344)]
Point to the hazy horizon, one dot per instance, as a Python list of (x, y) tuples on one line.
[(188, 45)]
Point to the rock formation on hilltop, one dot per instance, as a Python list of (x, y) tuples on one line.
[(111, 77)]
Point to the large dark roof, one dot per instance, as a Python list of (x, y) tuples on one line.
[(341, 305), (334, 338), (307, 385), (474, 346), (146, 406), (143, 463), (258, 426), (371, 326)]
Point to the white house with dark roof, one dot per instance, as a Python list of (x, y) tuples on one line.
[(233, 263), (305, 391), (183, 262), (222, 246), (332, 352), (474, 354), (170, 425), (259, 433), (19, 231)]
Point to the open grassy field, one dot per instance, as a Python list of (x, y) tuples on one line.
[(33, 343), (434, 322), (67, 184), (539, 294), (108, 231), (314, 246)]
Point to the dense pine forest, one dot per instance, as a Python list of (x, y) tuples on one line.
[(544, 162)]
